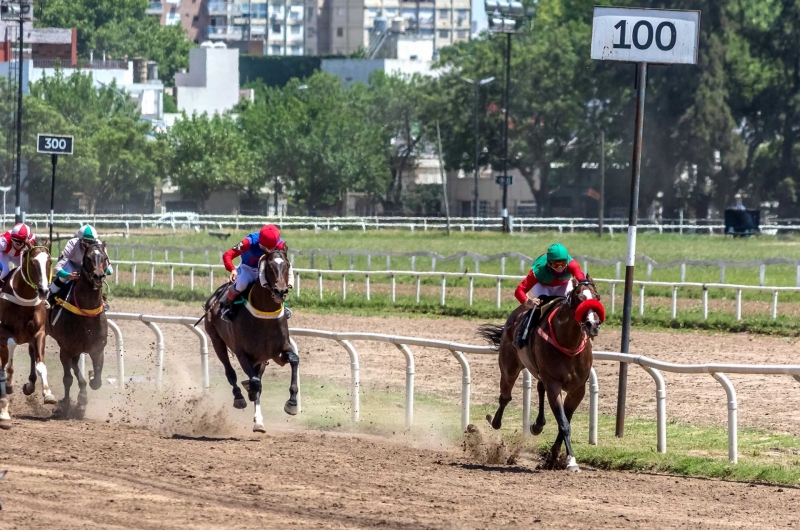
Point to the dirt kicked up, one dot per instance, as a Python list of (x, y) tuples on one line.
[(148, 460)]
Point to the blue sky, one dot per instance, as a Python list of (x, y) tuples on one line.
[(479, 14)]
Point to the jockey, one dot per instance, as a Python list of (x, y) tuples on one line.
[(549, 277), (11, 245), (250, 249), (70, 262)]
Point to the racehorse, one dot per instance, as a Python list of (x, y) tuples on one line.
[(78, 324), (22, 318), (256, 336), (558, 354)]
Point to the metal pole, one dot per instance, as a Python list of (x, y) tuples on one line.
[(444, 179), (636, 166), (601, 214), (506, 102), (276, 196), (52, 196), (17, 210), (477, 98)]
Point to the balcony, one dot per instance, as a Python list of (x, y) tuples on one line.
[(224, 8), (155, 8), (217, 32)]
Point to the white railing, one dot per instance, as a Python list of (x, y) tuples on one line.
[(561, 224), (345, 339), (470, 276)]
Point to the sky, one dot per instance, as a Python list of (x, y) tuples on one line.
[(479, 16)]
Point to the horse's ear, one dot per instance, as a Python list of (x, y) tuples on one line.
[(44, 243)]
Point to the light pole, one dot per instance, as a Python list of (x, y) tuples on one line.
[(505, 17), (4, 189), (478, 86)]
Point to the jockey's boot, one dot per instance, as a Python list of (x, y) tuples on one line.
[(287, 312), (524, 330), (229, 309)]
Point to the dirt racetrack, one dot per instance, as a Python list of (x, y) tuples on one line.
[(175, 460)]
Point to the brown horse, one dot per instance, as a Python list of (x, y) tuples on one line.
[(22, 317), (78, 324), (257, 335), (558, 354)]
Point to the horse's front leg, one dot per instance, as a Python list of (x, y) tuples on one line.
[(5, 415), (553, 389), (258, 419), (294, 361), (36, 351)]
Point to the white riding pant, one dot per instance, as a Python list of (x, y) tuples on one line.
[(70, 268), (540, 290), (6, 259)]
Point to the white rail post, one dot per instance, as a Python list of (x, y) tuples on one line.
[(527, 385), (613, 297), (297, 285), (762, 272), (418, 288), (409, 383), (683, 273), (641, 300), (471, 289), (705, 302), (367, 285), (738, 304), (797, 277), (159, 353), (355, 385), (594, 390), (211, 281), (503, 265), (730, 393), (172, 278), (133, 271), (319, 282), (344, 288), (191, 278), (444, 288), (394, 288), (674, 302), (722, 273), (120, 353), (774, 305), (152, 275), (661, 408), (499, 293), (203, 354), (465, 387)]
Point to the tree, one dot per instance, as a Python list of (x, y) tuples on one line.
[(120, 28)]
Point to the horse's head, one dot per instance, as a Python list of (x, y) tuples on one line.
[(587, 314), (35, 261), (95, 263), (273, 274)]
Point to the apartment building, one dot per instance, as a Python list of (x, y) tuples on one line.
[(191, 14), (444, 21)]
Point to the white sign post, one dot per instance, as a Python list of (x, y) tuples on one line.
[(640, 36)]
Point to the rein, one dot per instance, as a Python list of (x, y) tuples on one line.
[(551, 338), (28, 266)]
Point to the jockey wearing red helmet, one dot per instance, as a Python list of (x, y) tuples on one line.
[(11, 245), (250, 250)]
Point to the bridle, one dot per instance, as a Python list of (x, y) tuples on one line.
[(85, 271), (264, 262), (26, 278)]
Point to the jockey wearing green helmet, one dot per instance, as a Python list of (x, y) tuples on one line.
[(71, 260), (549, 277)]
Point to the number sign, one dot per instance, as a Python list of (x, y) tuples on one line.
[(54, 144), (645, 35)]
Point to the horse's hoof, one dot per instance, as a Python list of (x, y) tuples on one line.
[(290, 409), (239, 403), (79, 412), (537, 429), (9, 389), (83, 399), (50, 399), (28, 388), (96, 383), (572, 465), (5, 425), (259, 427)]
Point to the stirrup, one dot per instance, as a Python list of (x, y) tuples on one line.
[(287, 312)]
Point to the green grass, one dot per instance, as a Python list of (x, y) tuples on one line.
[(381, 305), (691, 450)]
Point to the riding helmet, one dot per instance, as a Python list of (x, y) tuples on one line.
[(557, 252), (21, 232), (269, 236), (87, 233)]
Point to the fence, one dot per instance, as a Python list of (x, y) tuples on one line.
[(418, 275), (652, 366), (561, 224)]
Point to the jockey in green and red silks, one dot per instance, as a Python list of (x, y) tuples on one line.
[(251, 249)]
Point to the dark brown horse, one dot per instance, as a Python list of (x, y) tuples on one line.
[(78, 324), (558, 354), (22, 317), (257, 335)]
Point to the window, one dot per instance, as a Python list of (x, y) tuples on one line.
[(340, 32), (276, 27), (173, 19), (297, 50), (296, 13), (310, 13), (195, 18), (372, 12), (340, 12), (259, 10), (444, 34), (312, 31), (390, 12), (295, 30), (462, 34), (426, 31), (277, 9), (462, 13), (426, 16), (444, 13), (275, 50)]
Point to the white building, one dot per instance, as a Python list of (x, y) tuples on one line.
[(212, 83)]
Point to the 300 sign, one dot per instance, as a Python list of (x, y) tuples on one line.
[(53, 144)]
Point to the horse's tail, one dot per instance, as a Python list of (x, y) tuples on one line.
[(491, 333)]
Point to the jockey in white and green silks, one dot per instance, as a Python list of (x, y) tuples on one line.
[(70, 262)]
